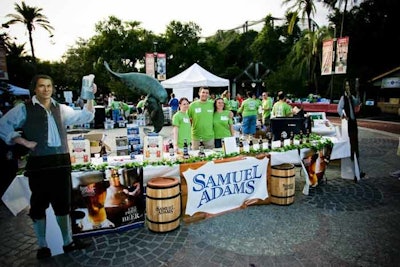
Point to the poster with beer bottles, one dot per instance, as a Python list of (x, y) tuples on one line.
[(107, 201)]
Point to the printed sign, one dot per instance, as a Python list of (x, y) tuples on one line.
[(217, 187), (106, 205)]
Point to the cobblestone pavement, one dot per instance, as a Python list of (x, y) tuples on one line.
[(340, 223)]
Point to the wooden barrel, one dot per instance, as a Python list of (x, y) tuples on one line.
[(163, 204), (283, 184)]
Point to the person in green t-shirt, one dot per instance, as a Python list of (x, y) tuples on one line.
[(281, 108), (181, 125), (226, 96), (223, 123), (266, 108), (201, 112), (115, 110), (234, 106), (140, 105), (249, 110)]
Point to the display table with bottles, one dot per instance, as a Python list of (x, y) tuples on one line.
[(118, 194)]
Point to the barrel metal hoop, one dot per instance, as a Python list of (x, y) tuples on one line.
[(282, 196), (164, 198), (273, 175), (171, 221)]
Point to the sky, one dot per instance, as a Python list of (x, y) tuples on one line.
[(74, 19)]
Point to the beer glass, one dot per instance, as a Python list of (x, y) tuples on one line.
[(94, 191)]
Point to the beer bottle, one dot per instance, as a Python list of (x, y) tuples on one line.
[(241, 145), (260, 144), (269, 137), (282, 139), (171, 148), (185, 149), (308, 136), (202, 154), (103, 151), (132, 152), (291, 138), (251, 143)]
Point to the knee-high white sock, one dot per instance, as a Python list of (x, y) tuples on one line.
[(39, 226), (66, 229)]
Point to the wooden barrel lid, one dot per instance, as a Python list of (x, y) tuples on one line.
[(284, 166), (162, 182)]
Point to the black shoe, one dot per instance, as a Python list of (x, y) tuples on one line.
[(75, 245), (362, 174), (43, 253)]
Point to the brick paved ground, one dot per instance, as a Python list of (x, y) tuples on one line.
[(340, 223)]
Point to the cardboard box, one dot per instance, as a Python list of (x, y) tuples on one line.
[(79, 150), (135, 145), (122, 145), (152, 149), (94, 140)]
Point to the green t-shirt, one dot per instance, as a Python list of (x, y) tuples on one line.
[(249, 107), (267, 107), (115, 105), (124, 106), (182, 121), (234, 104), (202, 114), (281, 109), (140, 104), (222, 123)]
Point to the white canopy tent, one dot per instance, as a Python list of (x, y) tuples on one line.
[(195, 76)]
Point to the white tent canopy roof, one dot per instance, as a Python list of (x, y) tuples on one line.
[(195, 76)]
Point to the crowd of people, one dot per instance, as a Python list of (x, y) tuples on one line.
[(210, 118)]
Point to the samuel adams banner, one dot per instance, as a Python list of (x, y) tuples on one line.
[(218, 187)]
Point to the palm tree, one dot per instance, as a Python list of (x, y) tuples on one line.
[(15, 50), (30, 16), (305, 55), (333, 3), (303, 7)]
